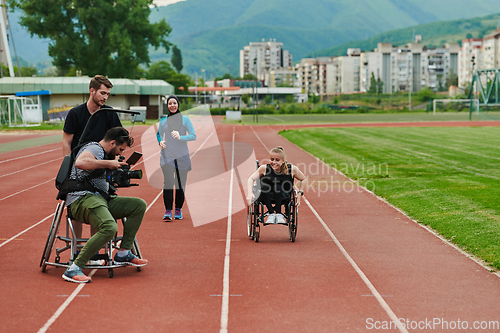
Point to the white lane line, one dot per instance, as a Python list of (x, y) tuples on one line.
[(31, 167), (64, 305), (258, 137), (197, 150), (370, 286), (26, 189), (25, 156), (77, 290), (273, 118), (25, 230), (362, 275), (225, 290)]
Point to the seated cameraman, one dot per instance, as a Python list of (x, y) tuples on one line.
[(99, 208)]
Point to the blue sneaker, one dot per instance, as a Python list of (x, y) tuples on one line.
[(129, 259), (75, 275), (168, 215), (178, 214)]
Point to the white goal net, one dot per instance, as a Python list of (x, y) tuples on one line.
[(454, 105)]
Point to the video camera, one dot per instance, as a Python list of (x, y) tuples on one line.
[(121, 177)]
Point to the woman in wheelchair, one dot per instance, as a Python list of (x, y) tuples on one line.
[(276, 184)]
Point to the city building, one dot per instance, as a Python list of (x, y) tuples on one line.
[(491, 50), (349, 72), (318, 76), (470, 59), (370, 63), (261, 57), (439, 66), (281, 77)]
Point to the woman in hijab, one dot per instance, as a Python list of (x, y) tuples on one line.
[(174, 131)]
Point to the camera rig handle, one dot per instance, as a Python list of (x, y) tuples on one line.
[(102, 110)]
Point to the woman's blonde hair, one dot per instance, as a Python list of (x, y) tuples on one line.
[(279, 150)]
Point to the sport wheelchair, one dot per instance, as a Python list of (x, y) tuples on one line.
[(256, 215), (73, 244)]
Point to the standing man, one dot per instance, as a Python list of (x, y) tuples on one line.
[(99, 89), (76, 120)]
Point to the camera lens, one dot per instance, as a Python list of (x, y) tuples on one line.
[(136, 174)]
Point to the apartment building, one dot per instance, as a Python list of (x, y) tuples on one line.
[(491, 50), (405, 68), (439, 64), (349, 72), (281, 77), (259, 58), (369, 63), (318, 76), (470, 59)]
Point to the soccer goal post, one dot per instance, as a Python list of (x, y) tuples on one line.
[(455, 104)]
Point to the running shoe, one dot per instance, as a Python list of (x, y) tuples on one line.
[(280, 218), (168, 215), (75, 275), (271, 218), (178, 214), (129, 259)]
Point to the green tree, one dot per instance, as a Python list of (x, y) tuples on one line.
[(176, 59), (452, 79), (425, 94), (223, 77), (162, 70), (99, 37), (373, 85), (249, 77), (29, 71), (245, 98), (380, 86)]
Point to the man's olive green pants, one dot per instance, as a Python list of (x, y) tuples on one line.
[(102, 216)]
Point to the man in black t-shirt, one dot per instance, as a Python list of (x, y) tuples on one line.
[(76, 120), (99, 89)]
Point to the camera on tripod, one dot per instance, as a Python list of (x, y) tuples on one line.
[(121, 177)]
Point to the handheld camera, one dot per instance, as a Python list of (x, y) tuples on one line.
[(121, 177)]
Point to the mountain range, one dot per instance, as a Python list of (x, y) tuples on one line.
[(210, 33)]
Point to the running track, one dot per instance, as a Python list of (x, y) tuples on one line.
[(357, 263)]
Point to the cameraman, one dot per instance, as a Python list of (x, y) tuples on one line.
[(99, 208)]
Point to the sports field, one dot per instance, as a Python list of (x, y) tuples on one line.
[(282, 119), (444, 177)]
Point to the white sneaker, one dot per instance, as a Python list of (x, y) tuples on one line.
[(271, 218), (95, 262), (280, 218)]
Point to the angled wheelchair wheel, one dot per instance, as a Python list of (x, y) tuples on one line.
[(250, 220), (293, 222), (54, 227)]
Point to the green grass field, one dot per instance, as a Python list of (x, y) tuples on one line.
[(447, 178), (367, 117)]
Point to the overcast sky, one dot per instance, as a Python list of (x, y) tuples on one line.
[(165, 2)]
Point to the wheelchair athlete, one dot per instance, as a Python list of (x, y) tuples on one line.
[(276, 179), (99, 208)]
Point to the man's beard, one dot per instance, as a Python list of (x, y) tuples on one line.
[(96, 102), (113, 153)]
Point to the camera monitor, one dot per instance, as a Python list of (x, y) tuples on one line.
[(134, 158)]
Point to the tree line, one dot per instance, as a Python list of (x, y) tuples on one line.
[(111, 38)]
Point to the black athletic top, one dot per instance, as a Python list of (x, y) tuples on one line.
[(77, 119), (274, 182)]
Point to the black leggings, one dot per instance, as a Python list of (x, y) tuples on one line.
[(268, 198), (169, 178)]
